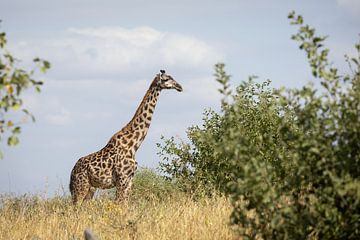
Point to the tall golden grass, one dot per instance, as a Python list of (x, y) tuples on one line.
[(174, 218), (164, 216)]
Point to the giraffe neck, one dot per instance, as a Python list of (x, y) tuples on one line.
[(134, 133), (143, 115)]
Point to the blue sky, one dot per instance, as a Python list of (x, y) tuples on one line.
[(105, 53)]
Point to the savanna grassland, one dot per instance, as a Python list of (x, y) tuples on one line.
[(271, 164), (156, 210)]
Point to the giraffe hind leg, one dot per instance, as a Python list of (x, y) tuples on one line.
[(80, 190)]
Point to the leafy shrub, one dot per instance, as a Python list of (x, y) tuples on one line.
[(289, 160), (193, 166), (149, 185), (13, 82)]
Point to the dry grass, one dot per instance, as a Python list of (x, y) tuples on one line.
[(176, 216)]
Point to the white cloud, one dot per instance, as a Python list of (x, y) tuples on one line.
[(140, 37), (110, 51), (95, 57)]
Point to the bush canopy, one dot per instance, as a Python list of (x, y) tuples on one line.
[(287, 158)]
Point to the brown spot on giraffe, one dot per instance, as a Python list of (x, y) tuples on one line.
[(115, 164)]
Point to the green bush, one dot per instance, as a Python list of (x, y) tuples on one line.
[(289, 160), (193, 167), (150, 186)]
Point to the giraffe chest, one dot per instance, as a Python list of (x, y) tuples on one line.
[(100, 172)]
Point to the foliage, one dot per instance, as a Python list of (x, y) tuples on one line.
[(287, 159), (150, 186), (195, 166), (13, 81)]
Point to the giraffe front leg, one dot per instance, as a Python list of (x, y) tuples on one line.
[(90, 193), (124, 181), (122, 191)]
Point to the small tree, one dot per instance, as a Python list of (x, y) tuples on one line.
[(13, 81), (288, 160)]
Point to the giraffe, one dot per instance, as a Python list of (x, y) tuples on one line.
[(115, 164)]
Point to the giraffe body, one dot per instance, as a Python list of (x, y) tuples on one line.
[(115, 164)]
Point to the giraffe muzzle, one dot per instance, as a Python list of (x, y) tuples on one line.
[(178, 87)]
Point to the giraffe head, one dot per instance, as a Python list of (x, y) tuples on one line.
[(165, 81)]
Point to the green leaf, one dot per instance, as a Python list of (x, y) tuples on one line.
[(16, 130), (10, 123), (16, 107), (13, 140)]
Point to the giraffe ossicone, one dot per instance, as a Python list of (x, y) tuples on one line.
[(114, 165)]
